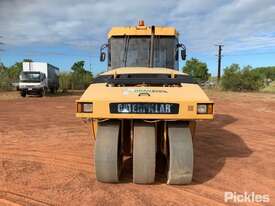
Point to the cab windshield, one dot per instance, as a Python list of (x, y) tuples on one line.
[(134, 51), (30, 77)]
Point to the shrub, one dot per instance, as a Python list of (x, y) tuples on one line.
[(65, 81), (247, 79), (251, 80)]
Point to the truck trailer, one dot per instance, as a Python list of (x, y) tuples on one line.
[(37, 78)]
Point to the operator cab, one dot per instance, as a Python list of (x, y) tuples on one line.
[(143, 46)]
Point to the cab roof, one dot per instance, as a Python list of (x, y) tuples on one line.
[(142, 30)]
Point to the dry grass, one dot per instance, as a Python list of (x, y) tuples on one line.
[(228, 95), (270, 88), (10, 95), (4, 95)]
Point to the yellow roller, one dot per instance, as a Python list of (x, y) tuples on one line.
[(143, 105)]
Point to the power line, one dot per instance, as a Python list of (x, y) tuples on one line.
[(248, 54)]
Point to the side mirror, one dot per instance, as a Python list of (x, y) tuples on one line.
[(102, 56), (102, 53), (183, 54)]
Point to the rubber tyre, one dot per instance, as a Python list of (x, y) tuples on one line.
[(180, 154), (108, 158), (144, 153)]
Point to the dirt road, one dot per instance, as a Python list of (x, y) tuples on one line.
[(46, 156)]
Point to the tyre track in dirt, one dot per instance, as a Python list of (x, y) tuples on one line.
[(16, 199)]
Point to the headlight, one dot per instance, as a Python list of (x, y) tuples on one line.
[(206, 108), (86, 107)]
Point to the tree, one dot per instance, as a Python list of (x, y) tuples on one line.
[(197, 69), (247, 79), (14, 71), (266, 72), (78, 67), (9, 75), (4, 83), (80, 78), (2, 67)]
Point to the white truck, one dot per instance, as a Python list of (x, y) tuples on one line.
[(37, 78)]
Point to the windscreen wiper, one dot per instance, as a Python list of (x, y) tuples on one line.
[(151, 59), (126, 45)]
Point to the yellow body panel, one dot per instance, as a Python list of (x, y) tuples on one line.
[(142, 31), (187, 96)]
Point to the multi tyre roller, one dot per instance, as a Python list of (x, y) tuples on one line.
[(109, 151), (143, 106)]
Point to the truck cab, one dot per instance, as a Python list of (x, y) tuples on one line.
[(32, 82)]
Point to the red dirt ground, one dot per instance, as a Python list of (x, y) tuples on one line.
[(46, 156)]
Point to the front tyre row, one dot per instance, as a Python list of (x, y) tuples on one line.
[(109, 154)]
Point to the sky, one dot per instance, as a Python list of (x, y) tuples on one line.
[(64, 31)]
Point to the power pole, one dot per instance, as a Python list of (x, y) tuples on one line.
[(219, 61)]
